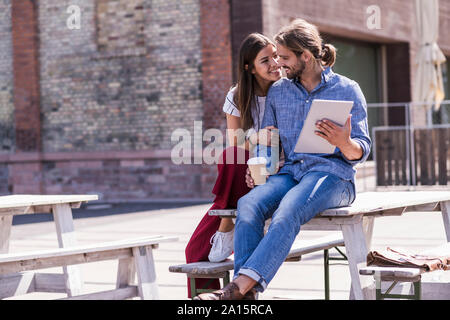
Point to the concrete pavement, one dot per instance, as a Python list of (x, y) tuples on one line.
[(295, 280)]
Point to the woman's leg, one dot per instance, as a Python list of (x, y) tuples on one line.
[(226, 225), (199, 246), (230, 186)]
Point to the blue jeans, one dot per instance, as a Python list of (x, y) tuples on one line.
[(290, 204)]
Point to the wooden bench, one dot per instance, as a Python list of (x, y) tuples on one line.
[(221, 270), (401, 274), (135, 257)]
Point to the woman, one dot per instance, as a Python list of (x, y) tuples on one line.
[(244, 106)]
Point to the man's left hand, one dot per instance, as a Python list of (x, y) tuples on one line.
[(336, 135)]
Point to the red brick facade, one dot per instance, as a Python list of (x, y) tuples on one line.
[(144, 173), (216, 60), (26, 177), (26, 75)]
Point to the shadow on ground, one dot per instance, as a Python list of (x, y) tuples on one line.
[(103, 209)]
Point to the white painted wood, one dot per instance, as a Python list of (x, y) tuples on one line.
[(299, 247), (24, 200), (368, 202), (5, 233), (125, 273), (388, 203), (62, 214), (392, 271), (146, 273), (117, 294), (49, 282), (445, 208), (16, 284), (91, 248), (368, 224), (122, 250), (356, 249)]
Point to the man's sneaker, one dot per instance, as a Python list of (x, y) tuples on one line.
[(222, 246)]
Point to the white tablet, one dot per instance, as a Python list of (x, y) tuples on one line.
[(336, 111)]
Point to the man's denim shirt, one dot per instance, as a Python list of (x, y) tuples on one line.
[(287, 105)]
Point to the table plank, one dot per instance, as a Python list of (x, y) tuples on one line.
[(383, 203), (26, 200)]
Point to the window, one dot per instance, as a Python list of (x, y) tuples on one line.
[(446, 76)]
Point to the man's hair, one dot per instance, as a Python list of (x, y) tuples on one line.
[(301, 35)]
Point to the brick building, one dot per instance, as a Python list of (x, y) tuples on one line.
[(89, 98)]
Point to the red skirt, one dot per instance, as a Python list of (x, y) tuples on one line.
[(229, 188)]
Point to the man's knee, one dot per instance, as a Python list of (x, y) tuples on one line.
[(249, 209)]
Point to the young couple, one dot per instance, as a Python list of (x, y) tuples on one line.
[(306, 184)]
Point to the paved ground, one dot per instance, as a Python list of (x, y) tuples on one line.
[(295, 280)]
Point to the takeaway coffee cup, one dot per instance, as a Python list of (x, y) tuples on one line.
[(258, 170)]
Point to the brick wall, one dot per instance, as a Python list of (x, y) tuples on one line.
[(26, 75), (7, 134), (109, 107), (216, 60), (119, 97)]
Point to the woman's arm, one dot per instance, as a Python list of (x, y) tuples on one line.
[(235, 134)]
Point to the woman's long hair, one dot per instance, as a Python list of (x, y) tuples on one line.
[(301, 35), (245, 91)]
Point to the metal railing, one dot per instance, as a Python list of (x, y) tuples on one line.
[(380, 119)]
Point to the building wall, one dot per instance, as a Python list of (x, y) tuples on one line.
[(6, 80), (113, 92), (129, 95), (7, 133), (348, 19)]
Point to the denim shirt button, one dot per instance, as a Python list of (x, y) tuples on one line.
[(301, 161)]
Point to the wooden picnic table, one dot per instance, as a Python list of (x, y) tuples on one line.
[(61, 208), (356, 223)]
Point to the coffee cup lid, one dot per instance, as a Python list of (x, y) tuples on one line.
[(257, 160)]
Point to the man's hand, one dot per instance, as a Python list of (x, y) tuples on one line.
[(340, 137), (336, 135)]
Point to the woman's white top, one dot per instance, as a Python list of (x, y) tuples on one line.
[(258, 108)]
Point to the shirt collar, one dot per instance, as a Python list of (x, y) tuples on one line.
[(326, 75)]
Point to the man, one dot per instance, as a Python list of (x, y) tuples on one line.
[(308, 183)]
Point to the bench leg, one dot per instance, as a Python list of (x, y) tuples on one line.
[(445, 208), (126, 273), (326, 266), (62, 214), (193, 287), (381, 296), (356, 248), (146, 273), (5, 232)]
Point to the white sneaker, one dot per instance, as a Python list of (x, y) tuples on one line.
[(222, 246)]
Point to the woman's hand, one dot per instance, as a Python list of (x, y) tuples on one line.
[(249, 180)]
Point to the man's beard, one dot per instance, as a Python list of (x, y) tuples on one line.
[(297, 71)]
